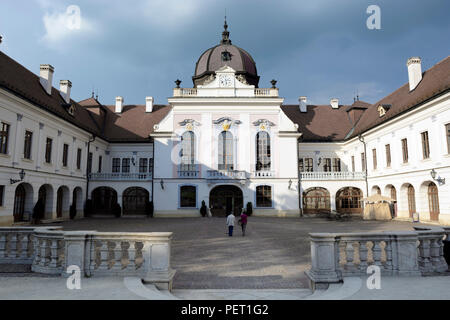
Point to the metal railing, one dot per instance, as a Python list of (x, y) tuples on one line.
[(120, 176)]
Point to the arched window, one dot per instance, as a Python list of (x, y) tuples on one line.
[(262, 151), (226, 151), (188, 197), (187, 151), (264, 196)]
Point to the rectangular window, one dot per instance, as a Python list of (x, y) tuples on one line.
[(2, 191), (363, 161), (309, 165), (48, 150), (336, 165), (126, 165), (143, 165), (264, 196), (374, 159), (388, 155), (327, 165), (79, 159), (4, 136), (447, 130), (405, 150), (188, 197), (100, 163), (425, 145), (150, 165), (353, 163), (116, 165), (65, 154), (301, 167), (89, 164), (27, 145)]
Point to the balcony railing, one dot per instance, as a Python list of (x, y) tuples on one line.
[(226, 175), (332, 175), (194, 92), (120, 176), (263, 174), (188, 171)]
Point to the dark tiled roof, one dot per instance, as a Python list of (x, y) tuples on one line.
[(435, 80), (133, 124), (25, 84), (320, 123)]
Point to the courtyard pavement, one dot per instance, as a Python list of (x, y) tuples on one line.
[(273, 255)]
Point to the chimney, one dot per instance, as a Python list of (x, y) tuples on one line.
[(119, 104), (334, 103), (414, 65), (149, 104), (64, 87), (46, 77), (303, 105)]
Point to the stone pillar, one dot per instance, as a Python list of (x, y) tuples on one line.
[(40, 150), (404, 253), (157, 261), (324, 261), (77, 251), (17, 138)]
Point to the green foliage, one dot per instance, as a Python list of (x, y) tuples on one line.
[(249, 209), (203, 209)]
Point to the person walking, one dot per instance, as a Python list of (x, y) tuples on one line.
[(230, 223), (243, 222)]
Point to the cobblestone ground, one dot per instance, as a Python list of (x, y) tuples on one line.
[(273, 255)]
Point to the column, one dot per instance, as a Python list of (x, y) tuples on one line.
[(40, 150), (17, 139)]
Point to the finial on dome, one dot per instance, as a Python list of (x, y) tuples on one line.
[(225, 33)]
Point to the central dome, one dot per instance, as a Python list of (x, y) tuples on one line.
[(225, 54)]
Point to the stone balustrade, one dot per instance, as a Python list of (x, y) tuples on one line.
[(263, 174), (344, 175), (52, 251), (403, 253), (226, 174)]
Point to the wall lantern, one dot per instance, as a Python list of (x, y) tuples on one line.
[(440, 180), (21, 175), (162, 184), (319, 162), (290, 184)]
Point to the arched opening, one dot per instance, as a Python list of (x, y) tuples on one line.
[(411, 200), (262, 151), (62, 202), (77, 199), (45, 195), (433, 201), (135, 201), (391, 192), (103, 200), (349, 200), (376, 190), (23, 202), (225, 199), (316, 200)]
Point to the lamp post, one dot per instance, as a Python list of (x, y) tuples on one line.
[(21, 175)]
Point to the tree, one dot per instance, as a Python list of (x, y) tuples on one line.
[(249, 209)]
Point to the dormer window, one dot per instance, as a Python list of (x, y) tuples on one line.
[(71, 110), (226, 56), (383, 108)]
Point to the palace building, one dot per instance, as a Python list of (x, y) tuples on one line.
[(225, 141)]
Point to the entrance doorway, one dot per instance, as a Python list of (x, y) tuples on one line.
[(135, 201), (226, 199)]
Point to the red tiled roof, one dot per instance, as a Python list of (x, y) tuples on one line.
[(435, 80)]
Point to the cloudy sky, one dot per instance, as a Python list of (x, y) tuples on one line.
[(137, 48)]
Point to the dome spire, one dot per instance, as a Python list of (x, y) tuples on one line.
[(225, 33)]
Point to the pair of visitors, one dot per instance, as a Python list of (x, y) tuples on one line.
[(231, 221)]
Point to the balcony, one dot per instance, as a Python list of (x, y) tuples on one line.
[(226, 175), (263, 174), (332, 175), (188, 171), (119, 176)]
